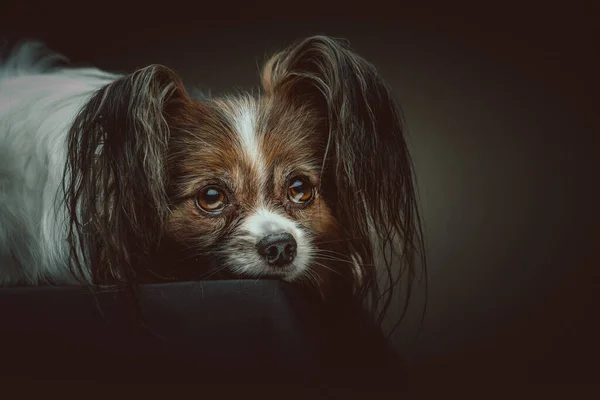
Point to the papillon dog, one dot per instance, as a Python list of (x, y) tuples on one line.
[(108, 178)]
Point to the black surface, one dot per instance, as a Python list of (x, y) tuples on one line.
[(190, 331)]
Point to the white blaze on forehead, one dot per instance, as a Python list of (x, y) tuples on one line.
[(244, 123)]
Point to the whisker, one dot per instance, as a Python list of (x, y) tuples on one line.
[(313, 277), (331, 258), (198, 254), (258, 276), (213, 272), (336, 241), (327, 268)]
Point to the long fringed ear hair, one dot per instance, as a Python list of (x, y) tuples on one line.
[(115, 181), (367, 164)]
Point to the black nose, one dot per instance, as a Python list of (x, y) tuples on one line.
[(278, 249)]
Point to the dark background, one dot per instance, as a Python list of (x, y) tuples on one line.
[(501, 107)]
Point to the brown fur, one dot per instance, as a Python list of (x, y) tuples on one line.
[(325, 113), (207, 150)]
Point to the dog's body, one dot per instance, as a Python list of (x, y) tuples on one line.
[(103, 176), (36, 111)]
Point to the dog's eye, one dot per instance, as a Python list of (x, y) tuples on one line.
[(301, 190), (211, 199)]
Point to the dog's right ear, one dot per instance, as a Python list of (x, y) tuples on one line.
[(366, 158), (115, 181)]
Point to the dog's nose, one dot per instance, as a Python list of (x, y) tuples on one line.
[(277, 249)]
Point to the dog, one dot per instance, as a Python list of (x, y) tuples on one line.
[(108, 178)]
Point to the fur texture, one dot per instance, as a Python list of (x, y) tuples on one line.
[(121, 179)]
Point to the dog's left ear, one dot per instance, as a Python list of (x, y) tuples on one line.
[(115, 183), (366, 157)]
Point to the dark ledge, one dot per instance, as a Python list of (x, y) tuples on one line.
[(189, 331)]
